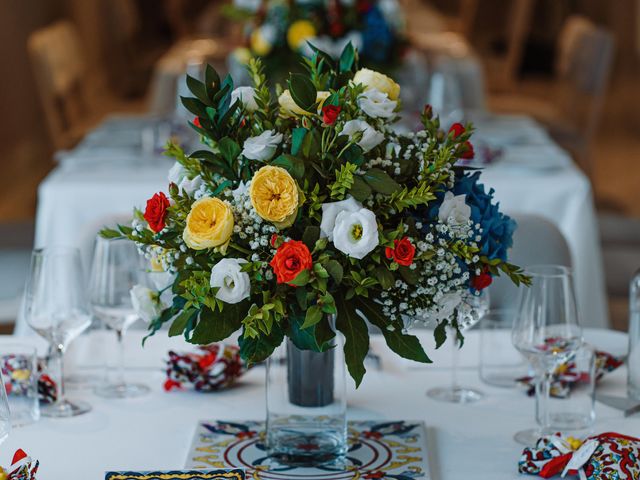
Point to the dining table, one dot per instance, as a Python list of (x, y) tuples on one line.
[(155, 431)]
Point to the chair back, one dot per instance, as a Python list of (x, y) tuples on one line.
[(59, 67), (536, 241)]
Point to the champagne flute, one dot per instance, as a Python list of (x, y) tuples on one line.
[(56, 307), (547, 333), (116, 269), (471, 310)]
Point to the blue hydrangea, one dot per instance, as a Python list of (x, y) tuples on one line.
[(377, 37)]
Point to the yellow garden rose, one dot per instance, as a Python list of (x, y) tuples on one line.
[(299, 32), (209, 224), (371, 79), (274, 195), (289, 108)]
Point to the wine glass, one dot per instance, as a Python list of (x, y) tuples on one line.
[(471, 310), (547, 333), (57, 308), (116, 269), (5, 414)]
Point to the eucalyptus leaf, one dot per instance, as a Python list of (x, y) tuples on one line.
[(302, 91), (380, 181), (360, 190)]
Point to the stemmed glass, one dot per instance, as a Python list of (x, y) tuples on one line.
[(5, 415), (472, 309), (57, 308), (547, 333), (116, 269)]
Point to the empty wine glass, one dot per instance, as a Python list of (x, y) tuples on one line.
[(547, 333), (470, 311), (116, 269), (5, 415), (57, 308)]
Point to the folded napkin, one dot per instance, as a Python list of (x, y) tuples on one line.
[(215, 367), (566, 377), (602, 457)]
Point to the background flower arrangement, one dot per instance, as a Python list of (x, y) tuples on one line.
[(310, 205)]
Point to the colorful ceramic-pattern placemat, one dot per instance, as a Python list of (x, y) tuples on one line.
[(377, 450)]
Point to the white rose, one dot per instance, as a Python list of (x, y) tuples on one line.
[(262, 147), (146, 303), (376, 104), (447, 305), (234, 284), (247, 96), (331, 210), (356, 233), (454, 209), (178, 175), (371, 138), (371, 79)]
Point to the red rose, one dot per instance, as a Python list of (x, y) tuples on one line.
[(291, 258), (274, 240), (457, 129), (482, 281), (156, 211), (330, 114), (467, 152), (196, 122), (402, 252)]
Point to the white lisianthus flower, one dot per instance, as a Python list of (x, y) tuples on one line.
[(178, 175), (454, 210), (356, 233), (234, 284), (447, 305), (146, 303), (376, 104), (371, 138), (262, 147), (331, 210), (247, 96)]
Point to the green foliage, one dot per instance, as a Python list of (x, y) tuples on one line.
[(344, 180), (356, 335)]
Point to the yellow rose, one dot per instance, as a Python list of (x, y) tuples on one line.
[(274, 195), (299, 32), (261, 41), (289, 108), (370, 80), (209, 224)]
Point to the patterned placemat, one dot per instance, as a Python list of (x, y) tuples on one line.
[(389, 450)]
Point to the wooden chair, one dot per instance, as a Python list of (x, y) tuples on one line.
[(59, 67), (572, 107)]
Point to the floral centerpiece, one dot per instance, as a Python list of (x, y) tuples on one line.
[(308, 206)]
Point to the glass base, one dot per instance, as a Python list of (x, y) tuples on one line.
[(122, 390), (64, 409), (300, 449), (528, 437), (455, 394)]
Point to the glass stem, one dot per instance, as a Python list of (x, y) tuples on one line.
[(59, 358), (454, 360), (120, 368), (543, 392)]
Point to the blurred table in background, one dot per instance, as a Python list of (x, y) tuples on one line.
[(100, 183)]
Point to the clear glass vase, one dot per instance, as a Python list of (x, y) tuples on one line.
[(306, 405)]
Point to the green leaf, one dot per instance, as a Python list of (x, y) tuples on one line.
[(310, 236), (198, 89), (335, 270), (360, 190), (301, 298), (311, 145), (254, 350), (303, 338), (297, 137), (180, 322), (302, 91), (301, 279), (381, 182), (356, 334), (408, 275), (333, 99), (195, 106), (229, 149), (440, 333), (110, 233), (291, 164), (211, 81), (407, 346), (384, 277), (215, 327), (347, 58), (313, 316)]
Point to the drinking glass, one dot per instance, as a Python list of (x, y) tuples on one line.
[(547, 333), (19, 370), (5, 415), (116, 269), (57, 308), (472, 309)]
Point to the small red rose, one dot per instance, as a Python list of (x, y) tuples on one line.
[(467, 152), (482, 281), (330, 114), (156, 211), (457, 129), (291, 258), (274, 240), (402, 252)]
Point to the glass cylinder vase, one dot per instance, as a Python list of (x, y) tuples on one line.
[(306, 405)]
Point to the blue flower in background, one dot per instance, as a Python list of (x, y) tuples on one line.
[(377, 38)]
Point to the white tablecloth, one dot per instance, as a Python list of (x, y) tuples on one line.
[(465, 441)]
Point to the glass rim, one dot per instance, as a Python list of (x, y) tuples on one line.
[(548, 271)]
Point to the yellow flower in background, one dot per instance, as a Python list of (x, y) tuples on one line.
[(274, 195), (374, 80), (299, 32), (261, 40), (289, 108), (242, 55), (209, 224)]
